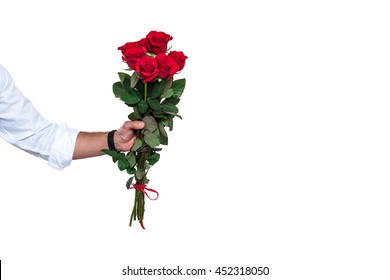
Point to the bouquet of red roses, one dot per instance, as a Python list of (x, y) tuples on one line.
[(153, 95)]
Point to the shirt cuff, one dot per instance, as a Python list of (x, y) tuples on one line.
[(61, 153)]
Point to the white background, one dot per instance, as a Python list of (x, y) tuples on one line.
[(281, 160)]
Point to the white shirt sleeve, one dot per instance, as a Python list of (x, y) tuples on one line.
[(24, 127)]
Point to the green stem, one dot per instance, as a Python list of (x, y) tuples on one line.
[(145, 91), (134, 209), (139, 201)]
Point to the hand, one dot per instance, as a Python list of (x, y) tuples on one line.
[(125, 136)]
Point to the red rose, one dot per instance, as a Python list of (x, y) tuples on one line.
[(147, 68), (132, 52), (142, 43), (139, 44), (179, 57), (167, 66), (157, 42)]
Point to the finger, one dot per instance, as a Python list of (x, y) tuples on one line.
[(124, 144), (128, 130), (128, 125)]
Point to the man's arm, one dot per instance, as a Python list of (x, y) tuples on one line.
[(24, 127), (90, 144)]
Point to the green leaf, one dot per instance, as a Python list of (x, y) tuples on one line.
[(136, 92), (131, 159), (152, 159), (147, 165), (163, 134), (167, 94), (115, 155), (140, 86), (157, 89), (137, 145), (137, 113), (151, 139), (178, 87), (156, 132), (123, 76), (125, 80), (154, 104), (150, 123), (122, 163), (131, 170), (129, 97), (142, 107), (168, 85), (172, 100), (133, 117), (129, 182), (168, 122), (134, 79), (139, 174), (174, 114), (169, 108), (118, 89), (160, 115)]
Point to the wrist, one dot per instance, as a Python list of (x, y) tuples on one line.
[(111, 140)]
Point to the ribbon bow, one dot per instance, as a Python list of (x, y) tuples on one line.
[(143, 188)]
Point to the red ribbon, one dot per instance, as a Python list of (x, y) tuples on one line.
[(143, 189)]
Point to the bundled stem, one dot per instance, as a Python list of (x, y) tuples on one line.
[(139, 200)]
